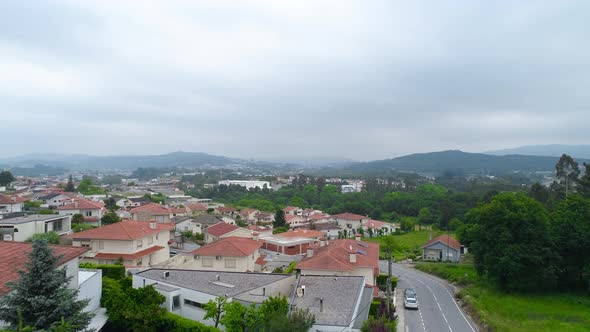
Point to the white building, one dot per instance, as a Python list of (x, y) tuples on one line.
[(21, 229), (249, 184)]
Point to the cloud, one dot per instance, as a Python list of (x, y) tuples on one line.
[(275, 79)]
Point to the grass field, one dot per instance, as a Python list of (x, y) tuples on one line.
[(408, 243), (515, 312)]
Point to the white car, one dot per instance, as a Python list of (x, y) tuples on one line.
[(410, 300)]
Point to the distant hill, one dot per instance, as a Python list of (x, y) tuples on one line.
[(129, 162), (437, 163), (554, 150)]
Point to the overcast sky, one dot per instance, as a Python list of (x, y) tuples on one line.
[(277, 79)]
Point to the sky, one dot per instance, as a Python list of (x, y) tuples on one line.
[(269, 79)]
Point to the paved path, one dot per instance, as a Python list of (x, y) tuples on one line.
[(438, 310)]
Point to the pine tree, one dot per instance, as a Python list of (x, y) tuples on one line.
[(42, 295), (70, 186), (279, 219)]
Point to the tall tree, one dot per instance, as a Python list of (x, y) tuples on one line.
[(570, 228), (41, 297), (70, 186), (6, 178), (512, 245), (110, 218), (539, 192), (584, 182), (279, 219), (215, 309), (567, 171)]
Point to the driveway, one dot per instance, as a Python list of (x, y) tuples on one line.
[(438, 310)]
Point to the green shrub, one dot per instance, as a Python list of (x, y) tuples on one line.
[(382, 280), (175, 323), (291, 267), (112, 271)]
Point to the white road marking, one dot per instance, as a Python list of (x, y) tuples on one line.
[(439, 308), (424, 275)]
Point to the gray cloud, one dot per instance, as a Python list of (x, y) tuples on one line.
[(268, 79)]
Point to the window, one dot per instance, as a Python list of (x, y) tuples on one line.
[(58, 225), (230, 263), (193, 303), (88, 213), (176, 302), (139, 243), (150, 240), (140, 261), (156, 236), (101, 244), (207, 262)]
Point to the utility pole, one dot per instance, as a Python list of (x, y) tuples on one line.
[(388, 281)]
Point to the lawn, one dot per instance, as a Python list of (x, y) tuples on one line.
[(515, 312), (409, 243)]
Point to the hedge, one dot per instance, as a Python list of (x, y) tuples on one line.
[(112, 271), (382, 280), (175, 323)]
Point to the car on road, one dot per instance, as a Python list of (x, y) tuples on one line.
[(410, 300)]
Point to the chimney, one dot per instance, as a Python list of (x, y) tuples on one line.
[(75, 204), (152, 225), (309, 252), (322, 242), (166, 274), (218, 277), (321, 304), (358, 237), (263, 291), (352, 257)]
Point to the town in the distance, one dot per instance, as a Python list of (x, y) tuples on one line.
[(220, 248)]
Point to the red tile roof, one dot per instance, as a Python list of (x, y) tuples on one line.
[(81, 204), (232, 246), (290, 208), (246, 212), (375, 224), (307, 233), (5, 199), (335, 256), (261, 260), (197, 207), (151, 208), (139, 254), (220, 228), (444, 239), (124, 230), (13, 256), (349, 216), (318, 216), (226, 209)]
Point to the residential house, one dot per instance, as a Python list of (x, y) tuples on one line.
[(338, 304), (222, 229), (379, 227), (237, 254), (331, 230), (187, 291), (138, 201), (152, 211), (310, 212), (11, 204), (248, 215), (24, 227), (292, 242), (205, 220), (14, 256), (92, 211), (59, 200), (137, 243), (264, 218), (295, 221), (350, 221), (343, 257), (293, 211), (442, 248), (197, 208)]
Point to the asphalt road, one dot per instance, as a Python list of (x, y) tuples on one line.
[(437, 308)]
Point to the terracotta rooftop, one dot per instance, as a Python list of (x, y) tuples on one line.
[(375, 223), (221, 228), (5, 199), (290, 208), (226, 209), (197, 207), (307, 233), (13, 256), (349, 216), (444, 239), (230, 246), (335, 256), (124, 230), (139, 254), (80, 204), (151, 208)]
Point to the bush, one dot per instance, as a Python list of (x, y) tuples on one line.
[(382, 280), (81, 227), (291, 267), (175, 323), (112, 271)]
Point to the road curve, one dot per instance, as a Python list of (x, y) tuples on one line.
[(438, 310)]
